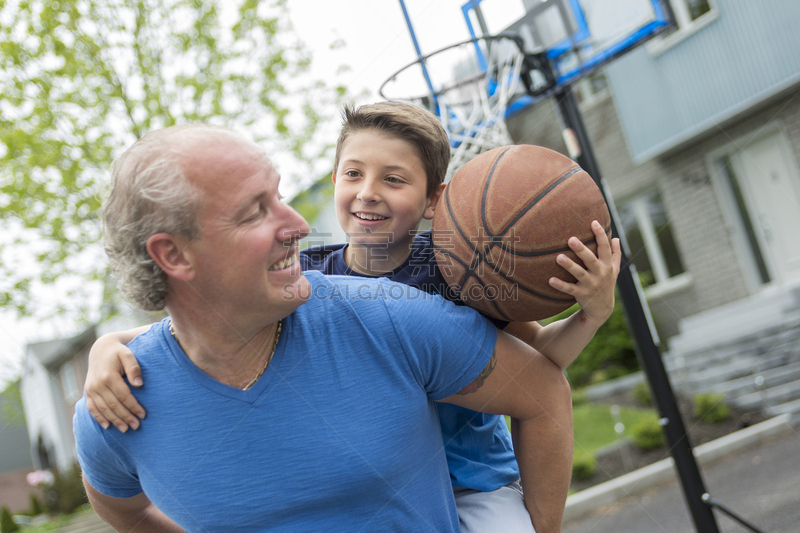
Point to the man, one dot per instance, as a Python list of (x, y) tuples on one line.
[(286, 402)]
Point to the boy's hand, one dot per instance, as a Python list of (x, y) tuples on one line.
[(108, 398), (594, 288)]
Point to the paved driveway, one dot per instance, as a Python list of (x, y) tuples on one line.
[(761, 484)]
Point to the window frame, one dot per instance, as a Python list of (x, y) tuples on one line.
[(588, 96), (662, 283), (69, 381), (686, 26)]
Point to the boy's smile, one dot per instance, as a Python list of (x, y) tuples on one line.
[(380, 197)]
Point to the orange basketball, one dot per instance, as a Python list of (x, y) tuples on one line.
[(504, 218)]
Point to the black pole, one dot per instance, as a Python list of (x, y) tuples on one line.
[(640, 326)]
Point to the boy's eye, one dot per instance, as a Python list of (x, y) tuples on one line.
[(394, 179), (352, 173)]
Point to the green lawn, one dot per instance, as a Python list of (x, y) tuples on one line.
[(594, 426)]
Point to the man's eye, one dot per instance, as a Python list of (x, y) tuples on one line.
[(256, 214)]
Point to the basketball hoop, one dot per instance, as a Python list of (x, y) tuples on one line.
[(469, 86)]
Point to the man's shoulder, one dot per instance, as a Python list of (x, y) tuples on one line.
[(356, 288), (156, 350), (150, 340)]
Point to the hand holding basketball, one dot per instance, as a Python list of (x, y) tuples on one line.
[(505, 218), (594, 288)]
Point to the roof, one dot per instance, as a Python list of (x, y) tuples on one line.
[(51, 353)]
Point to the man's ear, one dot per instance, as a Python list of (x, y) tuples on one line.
[(433, 201), (170, 253)]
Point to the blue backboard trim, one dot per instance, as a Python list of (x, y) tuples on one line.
[(557, 52), (611, 52), (580, 35)]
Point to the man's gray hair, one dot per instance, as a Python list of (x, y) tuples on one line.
[(150, 194)]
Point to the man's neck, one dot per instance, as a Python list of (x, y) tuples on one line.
[(230, 353)]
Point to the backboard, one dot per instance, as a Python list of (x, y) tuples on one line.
[(578, 35), (520, 51)]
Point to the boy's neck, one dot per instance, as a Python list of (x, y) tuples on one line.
[(375, 260)]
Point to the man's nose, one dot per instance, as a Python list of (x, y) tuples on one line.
[(295, 226)]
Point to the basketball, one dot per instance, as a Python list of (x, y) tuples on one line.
[(504, 218)]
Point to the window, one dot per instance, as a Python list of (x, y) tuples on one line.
[(591, 88), (68, 382), (690, 16), (652, 246), (687, 11)]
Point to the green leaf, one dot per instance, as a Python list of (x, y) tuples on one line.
[(80, 81)]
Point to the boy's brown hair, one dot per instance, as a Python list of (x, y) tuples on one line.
[(404, 121)]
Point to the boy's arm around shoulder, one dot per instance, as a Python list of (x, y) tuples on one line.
[(521, 382), (108, 398)]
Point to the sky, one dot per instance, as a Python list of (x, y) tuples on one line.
[(377, 37), (377, 44)]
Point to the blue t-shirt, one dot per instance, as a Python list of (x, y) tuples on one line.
[(480, 454), (339, 434)]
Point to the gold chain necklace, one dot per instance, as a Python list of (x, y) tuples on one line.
[(266, 364)]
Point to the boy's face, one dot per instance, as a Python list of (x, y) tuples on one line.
[(381, 190)]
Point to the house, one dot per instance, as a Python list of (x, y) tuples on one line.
[(52, 381), (697, 134), (315, 204)]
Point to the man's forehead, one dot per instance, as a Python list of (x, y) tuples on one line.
[(234, 175), (224, 156)]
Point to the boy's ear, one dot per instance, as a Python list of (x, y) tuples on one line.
[(170, 253), (433, 201), (333, 176)]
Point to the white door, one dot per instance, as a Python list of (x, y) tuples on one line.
[(771, 188)]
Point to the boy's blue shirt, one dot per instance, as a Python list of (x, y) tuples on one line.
[(479, 452)]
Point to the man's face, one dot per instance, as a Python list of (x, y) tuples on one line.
[(246, 255)]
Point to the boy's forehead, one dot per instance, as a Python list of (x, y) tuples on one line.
[(363, 142)]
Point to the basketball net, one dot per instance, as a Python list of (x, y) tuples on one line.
[(472, 108)]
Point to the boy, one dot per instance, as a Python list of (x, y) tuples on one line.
[(390, 163)]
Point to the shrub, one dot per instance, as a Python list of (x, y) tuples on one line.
[(66, 492), (711, 408), (646, 434), (641, 393), (579, 397), (7, 524), (35, 508), (609, 355), (583, 466)]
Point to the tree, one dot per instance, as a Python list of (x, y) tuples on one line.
[(80, 80), (11, 409)]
